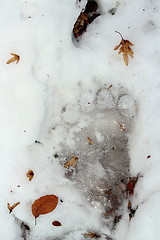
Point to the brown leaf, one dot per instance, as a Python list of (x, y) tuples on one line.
[(85, 18), (125, 58), (121, 126), (90, 141), (15, 58), (44, 205), (129, 43), (91, 235), (129, 205), (10, 208), (56, 223), (116, 47), (72, 162), (110, 87), (131, 185), (125, 49), (30, 175)]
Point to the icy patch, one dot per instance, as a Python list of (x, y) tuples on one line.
[(100, 146)]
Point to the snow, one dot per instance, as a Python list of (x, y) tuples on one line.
[(56, 96)]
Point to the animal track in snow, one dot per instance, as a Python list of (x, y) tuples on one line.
[(103, 117)]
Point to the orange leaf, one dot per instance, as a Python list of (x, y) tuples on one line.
[(91, 235), (125, 58), (10, 208), (125, 49), (129, 205), (15, 58), (116, 47), (43, 205), (30, 175), (72, 162), (90, 141), (130, 52), (131, 44)]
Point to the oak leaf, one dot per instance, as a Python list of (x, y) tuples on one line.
[(72, 162), (125, 48), (30, 175), (44, 205), (15, 58), (10, 208)]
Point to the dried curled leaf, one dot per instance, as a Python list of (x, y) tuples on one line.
[(72, 162), (10, 208), (110, 86), (30, 175), (91, 235), (86, 17), (44, 205), (90, 141), (15, 58), (131, 185), (122, 126), (125, 48), (56, 223), (129, 205), (125, 58)]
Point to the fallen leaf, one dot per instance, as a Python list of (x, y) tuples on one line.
[(110, 87), (10, 208), (30, 175), (125, 48), (44, 205), (15, 58), (129, 205), (131, 185), (91, 235), (85, 18), (90, 141), (72, 162), (56, 223)]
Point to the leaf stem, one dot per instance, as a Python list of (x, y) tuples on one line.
[(120, 34)]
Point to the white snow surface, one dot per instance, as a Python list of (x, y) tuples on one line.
[(50, 94)]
